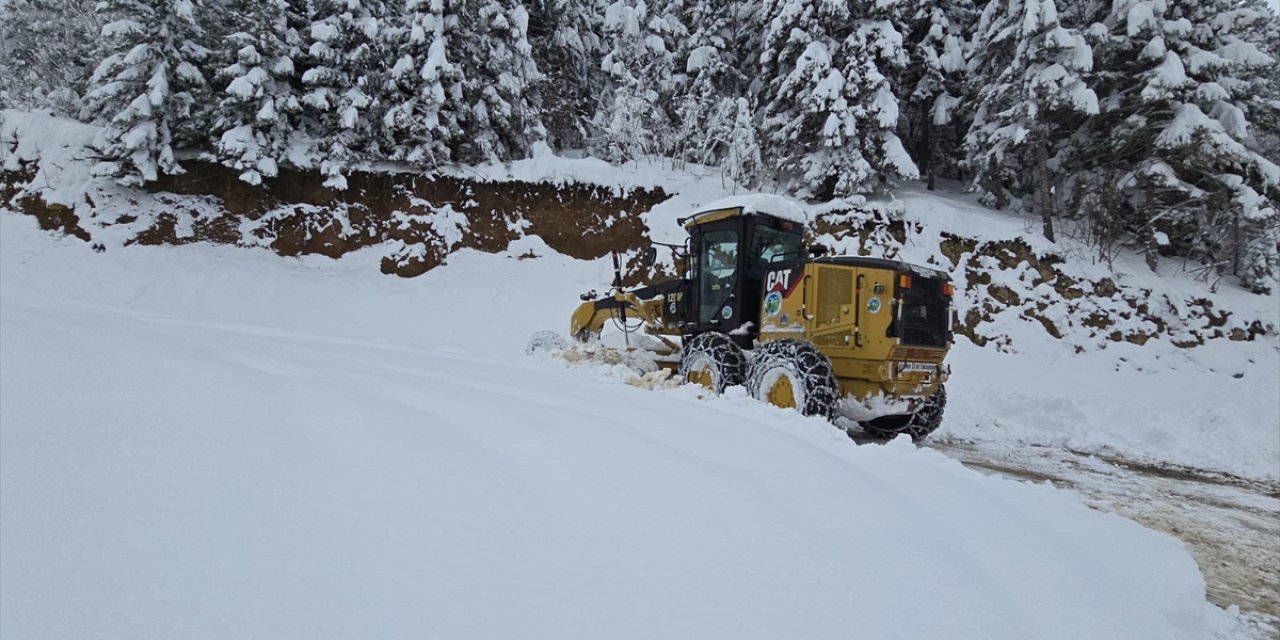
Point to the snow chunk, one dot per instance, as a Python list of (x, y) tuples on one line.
[(1154, 50), (1141, 17), (450, 223), (1169, 74), (324, 31), (1245, 53), (1187, 119), (701, 57), (1231, 118), (896, 156)]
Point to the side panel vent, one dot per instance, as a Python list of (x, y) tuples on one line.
[(835, 291)]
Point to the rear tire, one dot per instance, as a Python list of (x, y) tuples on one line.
[(795, 374), (923, 422), (713, 361)]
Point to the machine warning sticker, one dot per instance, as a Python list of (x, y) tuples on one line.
[(873, 305), (773, 303), (727, 312), (672, 307)]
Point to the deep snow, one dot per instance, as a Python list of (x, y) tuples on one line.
[(213, 442), (1213, 407)]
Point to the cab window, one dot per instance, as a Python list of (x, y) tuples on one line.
[(773, 245), (719, 260)]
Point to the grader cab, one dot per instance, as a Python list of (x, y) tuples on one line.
[(863, 338)]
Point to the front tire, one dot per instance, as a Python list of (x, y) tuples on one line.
[(712, 360), (793, 374)]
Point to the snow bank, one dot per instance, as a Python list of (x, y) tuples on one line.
[(206, 445), (1214, 407), (56, 147)]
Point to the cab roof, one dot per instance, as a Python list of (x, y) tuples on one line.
[(780, 207)]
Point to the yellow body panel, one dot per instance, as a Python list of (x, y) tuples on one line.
[(845, 311)]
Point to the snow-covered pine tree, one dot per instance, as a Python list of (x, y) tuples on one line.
[(500, 110), (424, 85), (144, 90), (1030, 70), (565, 36), (345, 84), (258, 107), (713, 109), (802, 96), (632, 119), (876, 56), (1265, 112), (933, 87), (463, 86), (829, 113), (48, 49), (1180, 82), (1257, 254)]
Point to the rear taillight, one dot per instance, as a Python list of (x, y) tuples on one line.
[(904, 282), (948, 289)]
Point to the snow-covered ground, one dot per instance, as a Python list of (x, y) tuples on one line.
[(213, 442), (1231, 526), (1155, 404)]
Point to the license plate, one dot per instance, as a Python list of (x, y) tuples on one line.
[(916, 366)]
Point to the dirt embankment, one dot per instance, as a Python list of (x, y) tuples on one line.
[(418, 220), (296, 214)]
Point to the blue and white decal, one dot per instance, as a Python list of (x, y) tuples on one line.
[(773, 303)]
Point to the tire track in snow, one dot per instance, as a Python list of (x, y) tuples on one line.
[(1230, 525)]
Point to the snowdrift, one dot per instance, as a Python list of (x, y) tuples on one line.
[(208, 442)]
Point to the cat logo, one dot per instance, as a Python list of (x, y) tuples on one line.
[(778, 281)]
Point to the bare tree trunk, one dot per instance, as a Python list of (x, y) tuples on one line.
[(1235, 243), (931, 153), (1150, 248), (1044, 184)]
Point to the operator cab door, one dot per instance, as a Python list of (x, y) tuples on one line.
[(774, 243), (717, 249)]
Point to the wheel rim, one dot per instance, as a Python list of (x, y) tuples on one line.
[(781, 393), (701, 374)]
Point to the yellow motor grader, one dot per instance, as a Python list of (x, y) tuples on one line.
[(863, 338)]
